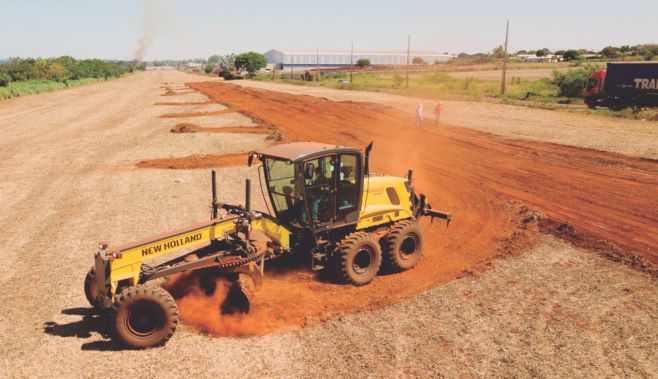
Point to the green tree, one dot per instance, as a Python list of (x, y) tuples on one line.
[(418, 60), (498, 52), (363, 62), (542, 52), (250, 62), (610, 52), (571, 55), (214, 59)]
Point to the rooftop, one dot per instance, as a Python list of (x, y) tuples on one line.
[(300, 150), (358, 52)]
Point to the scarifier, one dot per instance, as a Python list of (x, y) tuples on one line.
[(325, 204)]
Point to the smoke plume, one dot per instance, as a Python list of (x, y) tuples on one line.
[(156, 15)]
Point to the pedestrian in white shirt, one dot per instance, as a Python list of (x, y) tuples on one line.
[(419, 114)]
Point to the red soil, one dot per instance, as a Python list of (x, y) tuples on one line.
[(195, 114), (608, 196), (478, 177), (196, 161), (185, 127)]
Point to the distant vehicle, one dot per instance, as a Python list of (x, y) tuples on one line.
[(624, 85)]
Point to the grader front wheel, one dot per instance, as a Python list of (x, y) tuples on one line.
[(146, 316), (358, 258), (403, 246), (91, 288)]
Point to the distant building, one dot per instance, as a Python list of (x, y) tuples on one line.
[(534, 58), (309, 58), (194, 65)]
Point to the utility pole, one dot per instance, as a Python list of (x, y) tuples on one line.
[(502, 83), (351, 61), (408, 52), (317, 63)]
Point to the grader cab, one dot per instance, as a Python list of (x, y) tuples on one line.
[(325, 204)]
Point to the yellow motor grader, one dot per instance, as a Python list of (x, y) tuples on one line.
[(325, 204)]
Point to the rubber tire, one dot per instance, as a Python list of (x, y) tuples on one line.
[(91, 288), (394, 260), (348, 249), (137, 298)]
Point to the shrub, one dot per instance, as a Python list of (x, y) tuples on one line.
[(572, 82), (397, 80), (4, 79), (418, 60), (209, 67), (334, 75), (363, 62)]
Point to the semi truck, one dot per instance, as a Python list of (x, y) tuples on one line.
[(623, 85)]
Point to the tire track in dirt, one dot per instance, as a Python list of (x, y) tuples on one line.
[(485, 225)]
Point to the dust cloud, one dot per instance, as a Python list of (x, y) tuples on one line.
[(201, 296)]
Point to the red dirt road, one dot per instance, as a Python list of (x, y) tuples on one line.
[(611, 197), (478, 177)]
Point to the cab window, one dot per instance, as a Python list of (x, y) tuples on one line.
[(347, 196), (319, 179), (285, 198)]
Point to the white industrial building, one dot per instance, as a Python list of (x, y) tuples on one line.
[(310, 58)]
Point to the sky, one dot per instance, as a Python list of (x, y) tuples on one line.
[(179, 29)]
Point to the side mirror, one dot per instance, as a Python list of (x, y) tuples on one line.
[(309, 170)]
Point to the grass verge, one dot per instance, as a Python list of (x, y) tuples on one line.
[(33, 87), (535, 93)]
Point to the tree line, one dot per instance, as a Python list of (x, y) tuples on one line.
[(641, 52), (62, 69)]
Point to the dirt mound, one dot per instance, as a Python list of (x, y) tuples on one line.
[(195, 161), (196, 114), (183, 103), (185, 127), (568, 232)]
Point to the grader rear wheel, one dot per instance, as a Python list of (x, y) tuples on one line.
[(91, 288), (403, 246), (146, 316), (358, 258)]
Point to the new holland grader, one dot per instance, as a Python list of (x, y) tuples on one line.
[(325, 205)]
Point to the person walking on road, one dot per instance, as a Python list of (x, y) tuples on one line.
[(419, 114), (437, 112)]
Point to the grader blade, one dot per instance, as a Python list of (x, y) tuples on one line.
[(241, 293)]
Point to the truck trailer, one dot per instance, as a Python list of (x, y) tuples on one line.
[(624, 85)]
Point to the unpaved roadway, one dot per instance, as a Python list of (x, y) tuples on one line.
[(68, 178), (606, 195)]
